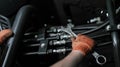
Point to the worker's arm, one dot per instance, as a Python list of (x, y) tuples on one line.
[(72, 60), (4, 34), (80, 47)]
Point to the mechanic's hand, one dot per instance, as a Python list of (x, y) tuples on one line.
[(4, 34), (82, 43)]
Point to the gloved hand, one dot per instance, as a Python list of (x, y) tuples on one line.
[(82, 43), (5, 28), (4, 34)]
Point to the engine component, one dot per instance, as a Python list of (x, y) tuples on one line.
[(108, 27), (4, 23), (57, 42)]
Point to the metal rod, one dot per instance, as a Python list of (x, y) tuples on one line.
[(12, 44), (114, 33)]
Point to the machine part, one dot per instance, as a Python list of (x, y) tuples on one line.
[(4, 23), (95, 29), (58, 29), (69, 31), (69, 20), (61, 50), (108, 27), (117, 10), (55, 42), (118, 26), (52, 29), (100, 59), (35, 53), (86, 32), (50, 51), (114, 33), (70, 25), (65, 36), (84, 27), (43, 46), (55, 34), (97, 19), (17, 28)]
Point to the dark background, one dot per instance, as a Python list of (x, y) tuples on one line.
[(57, 11)]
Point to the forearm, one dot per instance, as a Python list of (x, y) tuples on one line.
[(4, 34), (72, 60)]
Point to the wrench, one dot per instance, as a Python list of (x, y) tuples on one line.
[(95, 54), (68, 30), (100, 59)]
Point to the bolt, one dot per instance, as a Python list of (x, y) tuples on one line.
[(42, 45), (118, 26)]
